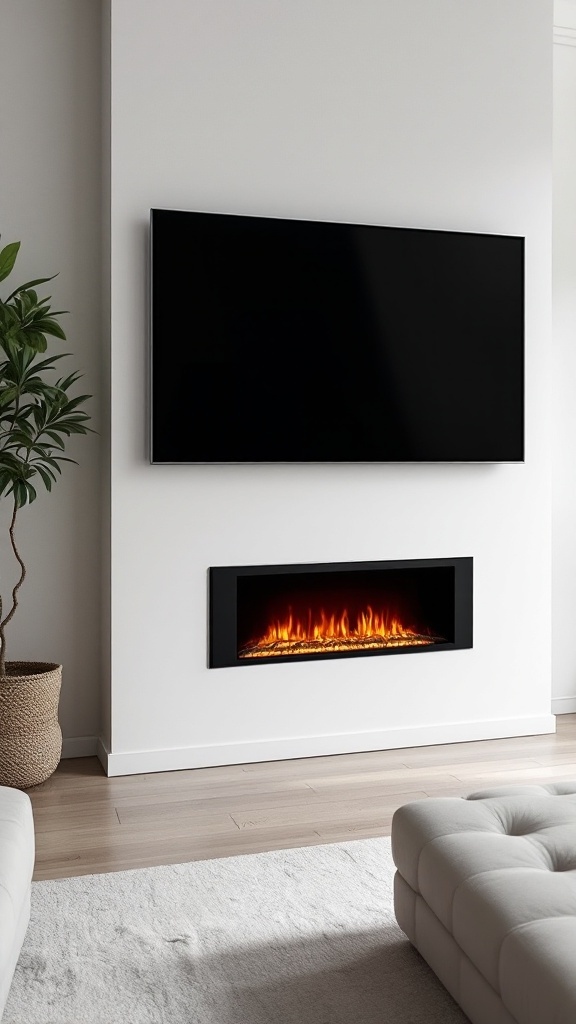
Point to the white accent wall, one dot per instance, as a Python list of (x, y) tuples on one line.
[(564, 362), (405, 112)]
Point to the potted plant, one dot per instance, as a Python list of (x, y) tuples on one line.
[(37, 417)]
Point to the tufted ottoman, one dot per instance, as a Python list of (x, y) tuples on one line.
[(16, 865), (485, 889)]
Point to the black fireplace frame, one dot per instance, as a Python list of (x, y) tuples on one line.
[(223, 613)]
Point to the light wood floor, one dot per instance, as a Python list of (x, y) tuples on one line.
[(86, 823)]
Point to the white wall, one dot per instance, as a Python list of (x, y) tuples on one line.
[(564, 361), (383, 111), (50, 170)]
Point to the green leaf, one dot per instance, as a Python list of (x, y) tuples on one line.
[(8, 258), (30, 284), (55, 438), (72, 427), (40, 311), (49, 471), (51, 461), (10, 461), (27, 302), (35, 339), (7, 395), (32, 495), (19, 439), (45, 477), (75, 402), (64, 458), (38, 414), (46, 364), (49, 326), (20, 493), (66, 382)]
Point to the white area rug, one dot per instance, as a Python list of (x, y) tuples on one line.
[(302, 936)]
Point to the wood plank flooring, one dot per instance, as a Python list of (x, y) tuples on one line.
[(86, 823)]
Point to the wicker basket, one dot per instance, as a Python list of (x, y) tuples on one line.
[(30, 736)]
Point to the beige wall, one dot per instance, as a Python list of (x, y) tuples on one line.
[(50, 179)]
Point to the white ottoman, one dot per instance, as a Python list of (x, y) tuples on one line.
[(485, 889), (16, 866)]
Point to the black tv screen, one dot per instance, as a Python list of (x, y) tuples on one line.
[(302, 341)]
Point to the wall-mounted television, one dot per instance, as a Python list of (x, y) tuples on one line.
[(276, 340)]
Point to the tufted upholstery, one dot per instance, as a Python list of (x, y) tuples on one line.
[(16, 866), (486, 891)]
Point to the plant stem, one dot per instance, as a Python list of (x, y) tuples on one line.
[(4, 622)]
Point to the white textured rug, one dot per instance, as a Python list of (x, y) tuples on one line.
[(303, 936)]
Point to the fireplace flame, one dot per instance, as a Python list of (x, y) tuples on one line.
[(322, 633)]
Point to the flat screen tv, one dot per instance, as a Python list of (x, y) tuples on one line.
[(296, 341)]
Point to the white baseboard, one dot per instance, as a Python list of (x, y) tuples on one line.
[(103, 754), (79, 746), (563, 705), (136, 762)]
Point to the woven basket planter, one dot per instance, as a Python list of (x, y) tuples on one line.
[(30, 736)]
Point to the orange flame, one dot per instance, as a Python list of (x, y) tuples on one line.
[(322, 633)]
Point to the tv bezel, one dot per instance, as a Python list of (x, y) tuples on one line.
[(356, 462)]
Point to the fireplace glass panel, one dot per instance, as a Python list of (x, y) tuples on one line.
[(325, 613)]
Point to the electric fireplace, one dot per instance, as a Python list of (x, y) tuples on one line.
[(282, 613)]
